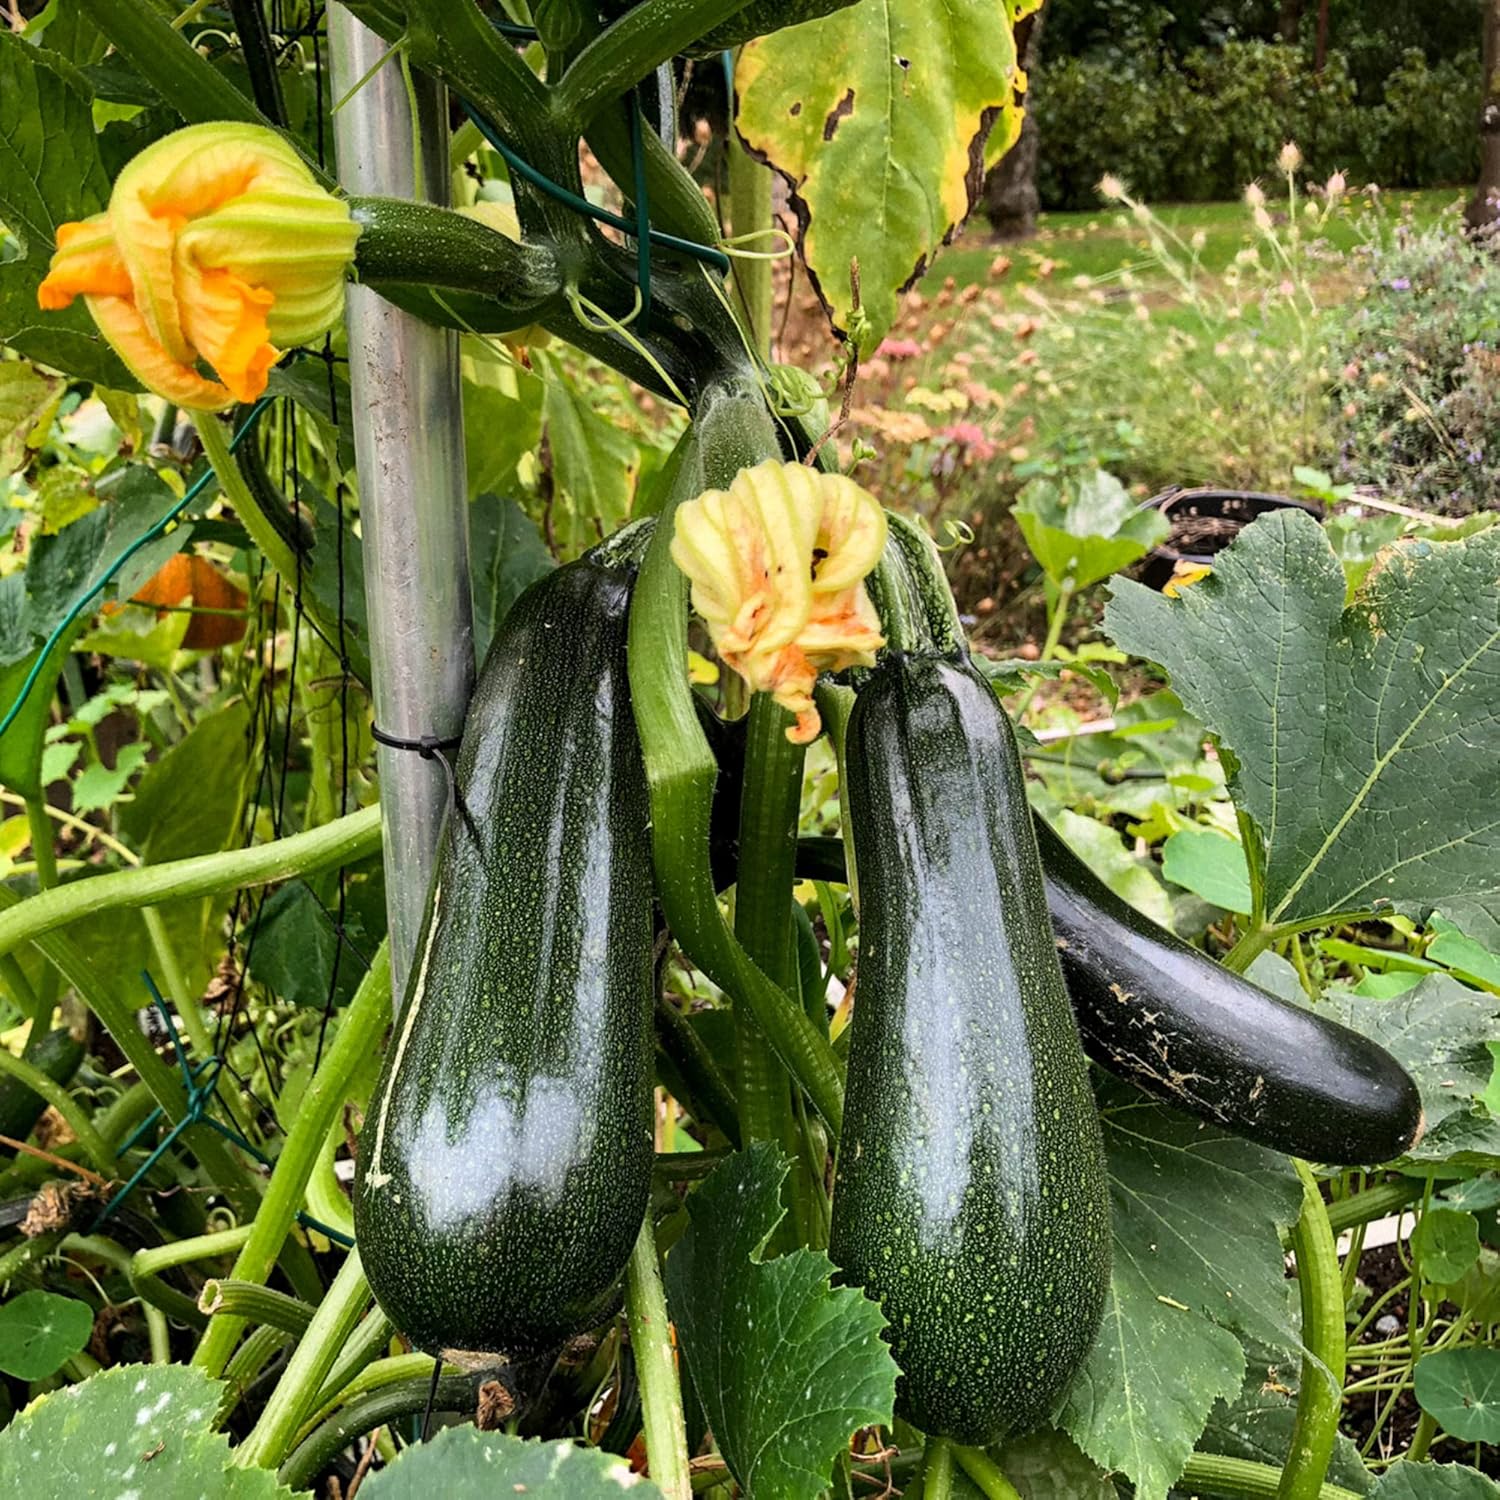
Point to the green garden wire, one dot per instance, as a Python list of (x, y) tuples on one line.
[(97, 587), (705, 253), (200, 1084)]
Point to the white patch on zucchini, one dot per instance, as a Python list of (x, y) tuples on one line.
[(378, 1178)]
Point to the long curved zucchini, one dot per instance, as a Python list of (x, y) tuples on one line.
[(970, 1199), (1161, 1013), (505, 1164), (1164, 1016)]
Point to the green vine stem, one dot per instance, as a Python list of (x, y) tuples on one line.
[(376, 1376), (249, 1360), (365, 1019), (263, 529), (713, 1100), (937, 1469), (750, 214), (631, 48), (681, 772), (656, 1368), (313, 1454), (1242, 1479), (1374, 1203), (67, 1106), (256, 1304), (762, 923), (344, 841), (146, 1267), (44, 852), (986, 1474), (338, 1314), (116, 1256), (370, 1338), (117, 1017), (1320, 1284)]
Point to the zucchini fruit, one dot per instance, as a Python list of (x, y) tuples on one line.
[(970, 1198), (505, 1163), (1164, 1015)]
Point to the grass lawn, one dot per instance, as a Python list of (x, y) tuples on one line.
[(1102, 244)]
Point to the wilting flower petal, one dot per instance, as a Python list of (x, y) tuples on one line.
[(218, 244), (777, 563)]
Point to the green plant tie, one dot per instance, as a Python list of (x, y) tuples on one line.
[(200, 1083), (705, 253), (96, 588)]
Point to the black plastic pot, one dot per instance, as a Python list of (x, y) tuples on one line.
[(1203, 522)]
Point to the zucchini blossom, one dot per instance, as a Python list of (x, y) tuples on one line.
[(218, 245), (777, 564)]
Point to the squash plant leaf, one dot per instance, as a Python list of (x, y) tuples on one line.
[(50, 172), (1362, 737), (1084, 527), (40, 1332), (462, 1463), (1428, 1481), (1439, 1032), (506, 555), (877, 116), (785, 1366), (132, 1429), (1196, 1260), (1461, 1389)]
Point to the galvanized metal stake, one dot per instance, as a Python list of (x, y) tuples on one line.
[(409, 445)]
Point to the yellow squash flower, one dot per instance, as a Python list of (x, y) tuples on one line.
[(777, 563), (218, 245)]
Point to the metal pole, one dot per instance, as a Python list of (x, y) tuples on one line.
[(413, 500)]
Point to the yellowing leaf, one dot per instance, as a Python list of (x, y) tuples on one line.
[(877, 115)]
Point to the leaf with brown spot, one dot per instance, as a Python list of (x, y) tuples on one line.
[(878, 116)]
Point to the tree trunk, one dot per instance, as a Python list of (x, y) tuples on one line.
[(1320, 54), (1011, 200), (1484, 210), (1290, 21)]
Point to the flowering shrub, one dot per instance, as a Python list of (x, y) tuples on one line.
[(1419, 387)]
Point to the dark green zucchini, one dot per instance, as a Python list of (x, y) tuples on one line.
[(1164, 1015), (971, 1199), (58, 1055), (506, 1158)]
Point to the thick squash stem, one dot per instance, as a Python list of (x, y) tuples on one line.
[(1320, 1398), (656, 1368), (681, 772)]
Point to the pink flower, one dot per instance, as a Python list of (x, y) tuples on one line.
[(969, 436), (899, 348)]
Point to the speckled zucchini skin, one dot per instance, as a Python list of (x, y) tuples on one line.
[(1167, 1017), (506, 1156), (971, 1199)]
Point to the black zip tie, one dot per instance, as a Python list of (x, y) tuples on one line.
[(437, 1370), (431, 747)]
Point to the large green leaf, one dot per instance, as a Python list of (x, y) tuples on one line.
[(1047, 1465), (1196, 1255), (462, 1463), (1425, 1481), (1461, 1389), (1258, 1426), (1210, 864), (50, 173), (40, 1332), (1438, 1031), (877, 116), (595, 465), (1083, 527), (130, 1430), (785, 1366), (1363, 737)]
